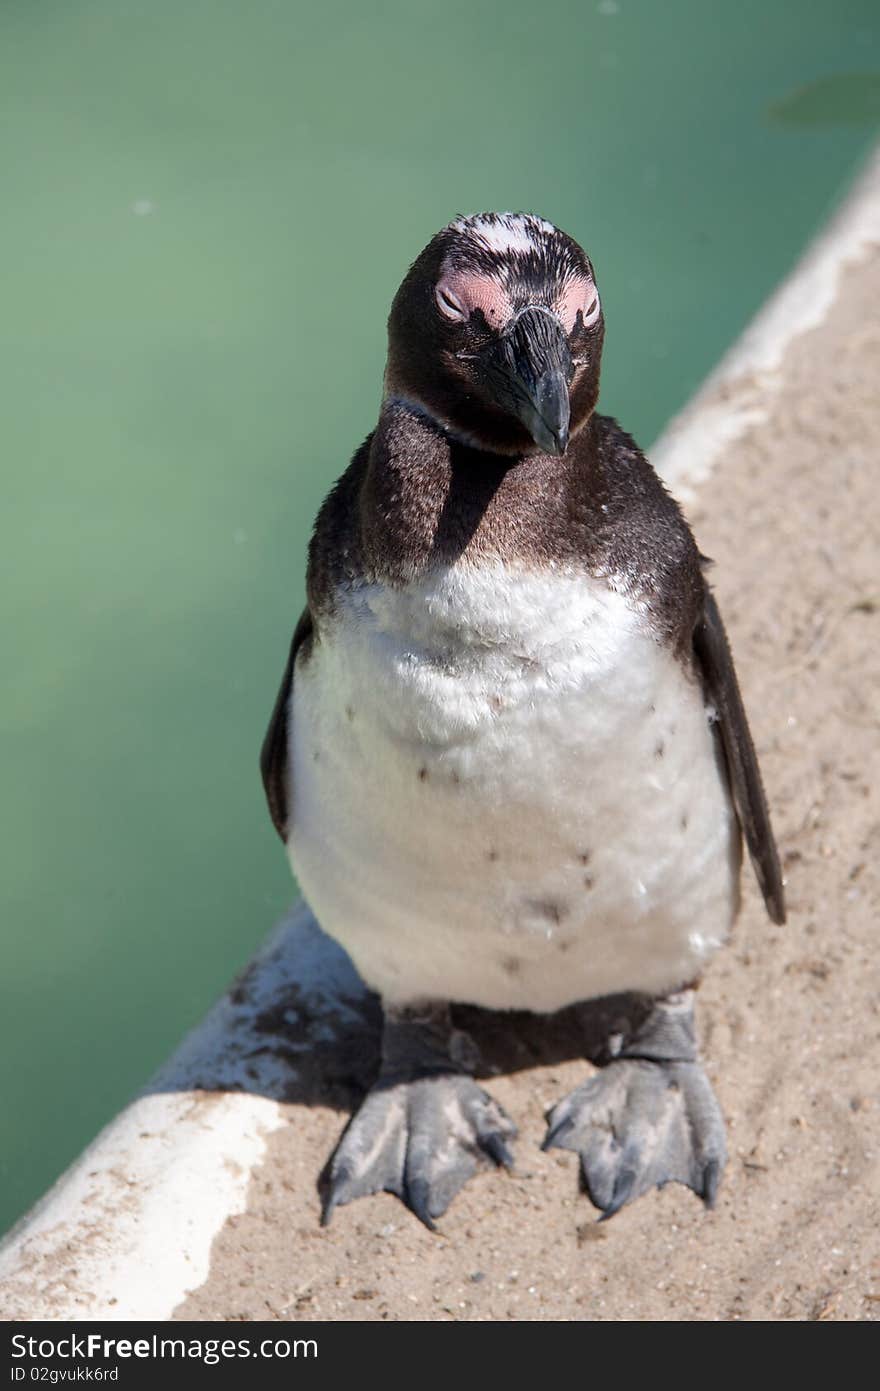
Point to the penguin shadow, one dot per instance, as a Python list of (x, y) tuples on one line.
[(474, 479), (299, 1026)]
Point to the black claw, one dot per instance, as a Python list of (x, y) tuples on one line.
[(498, 1149), (418, 1197), (623, 1189), (559, 1131), (711, 1181), (335, 1183)]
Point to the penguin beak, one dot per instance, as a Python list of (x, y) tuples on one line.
[(546, 415), (528, 373)]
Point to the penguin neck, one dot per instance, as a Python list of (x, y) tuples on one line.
[(430, 500)]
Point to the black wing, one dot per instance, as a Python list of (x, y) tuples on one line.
[(273, 755), (713, 655)]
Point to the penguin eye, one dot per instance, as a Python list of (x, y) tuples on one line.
[(449, 304), (578, 303)]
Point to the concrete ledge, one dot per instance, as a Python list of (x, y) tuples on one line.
[(127, 1230), (172, 1211), (740, 391)]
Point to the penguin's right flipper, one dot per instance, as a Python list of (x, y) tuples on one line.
[(722, 690), (273, 754)]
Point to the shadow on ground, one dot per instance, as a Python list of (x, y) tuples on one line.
[(299, 1026)]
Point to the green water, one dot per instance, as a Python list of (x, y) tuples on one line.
[(206, 209)]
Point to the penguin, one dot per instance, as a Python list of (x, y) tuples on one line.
[(509, 758)]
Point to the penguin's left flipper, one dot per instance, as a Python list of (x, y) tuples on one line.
[(273, 754), (714, 659), (648, 1118)]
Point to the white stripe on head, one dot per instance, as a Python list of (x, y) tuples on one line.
[(506, 231)]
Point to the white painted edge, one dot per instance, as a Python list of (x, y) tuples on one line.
[(740, 392), (126, 1232)]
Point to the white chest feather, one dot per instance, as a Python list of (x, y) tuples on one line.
[(506, 792)]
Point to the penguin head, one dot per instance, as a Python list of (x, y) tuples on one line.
[(496, 334)]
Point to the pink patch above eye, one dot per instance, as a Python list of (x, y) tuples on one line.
[(474, 292), (579, 296)]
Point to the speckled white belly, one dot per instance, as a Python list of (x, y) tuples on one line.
[(506, 792)]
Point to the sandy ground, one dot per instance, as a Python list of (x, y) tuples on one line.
[(789, 1017)]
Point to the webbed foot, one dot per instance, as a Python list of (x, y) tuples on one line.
[(648, 1118), (423, 1130)]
